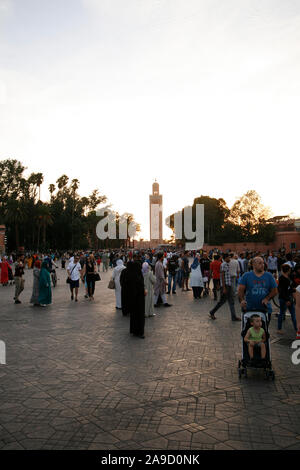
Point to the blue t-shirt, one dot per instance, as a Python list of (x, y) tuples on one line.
[(257, 288)]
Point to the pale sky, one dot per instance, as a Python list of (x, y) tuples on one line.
[(203, 95)]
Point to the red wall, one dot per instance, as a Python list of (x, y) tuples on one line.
[(282, 240)]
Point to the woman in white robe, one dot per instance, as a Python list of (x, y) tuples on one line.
[(196, 279), (149, 282), (116, 277)]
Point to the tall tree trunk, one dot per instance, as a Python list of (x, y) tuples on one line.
[(38, 239), (44, 235), (17, 236)]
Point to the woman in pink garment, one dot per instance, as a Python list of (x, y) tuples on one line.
[(4, 271)]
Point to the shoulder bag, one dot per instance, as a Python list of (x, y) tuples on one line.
[(68, 280)]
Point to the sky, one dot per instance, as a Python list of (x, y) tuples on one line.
[(203, 95)]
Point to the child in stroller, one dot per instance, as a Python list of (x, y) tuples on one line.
[(256, 337), (256, 351)]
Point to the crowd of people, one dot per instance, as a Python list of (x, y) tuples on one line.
[(142, 280)]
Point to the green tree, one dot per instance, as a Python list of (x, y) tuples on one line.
[(15, 216), (216, 213), (249, 213)]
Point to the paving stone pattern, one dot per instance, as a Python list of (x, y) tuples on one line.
[(76, 379)]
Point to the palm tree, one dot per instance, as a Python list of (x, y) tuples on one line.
[(51, 190), (74, 187), (39, 182), (36, 179), (62, 181), (15, 215), (44, 219)]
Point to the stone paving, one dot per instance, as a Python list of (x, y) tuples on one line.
[(76, 379)]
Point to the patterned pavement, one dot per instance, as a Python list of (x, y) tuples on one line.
[(76, 379)]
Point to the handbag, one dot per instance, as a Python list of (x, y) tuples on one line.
[(111, 284), (97, 277), (68, 280)]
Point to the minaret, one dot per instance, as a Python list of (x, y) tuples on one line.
[(156, 209)]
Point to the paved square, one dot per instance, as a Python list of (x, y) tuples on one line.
[(76, 379)]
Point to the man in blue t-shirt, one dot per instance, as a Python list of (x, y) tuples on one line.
[(257, 287)]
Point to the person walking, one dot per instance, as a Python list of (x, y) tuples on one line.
[(180, 271), (105, 261), (227, 293), (215, 267), (88, 272), (272, 264), (111, 259), (98, 261), (196, 280), (74, 270), (133, 288), (36, 278), (19, 281), (234, 271), (185, 271), (257, 287), (149, 282), (172, 268), (4, 266), (159, 289), (285, 295), (45, 294), (205, 269), (116, 274), (63, 262)]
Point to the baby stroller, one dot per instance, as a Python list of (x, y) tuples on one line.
[(257, 362)]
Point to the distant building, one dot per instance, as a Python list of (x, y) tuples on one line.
[(287, 234), (156, 215)]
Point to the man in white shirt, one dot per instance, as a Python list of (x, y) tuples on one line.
[(272, 264), (73, 271), (234, 271)]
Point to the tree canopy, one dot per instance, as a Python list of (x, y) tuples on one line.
[(66, 221), (247, 220)]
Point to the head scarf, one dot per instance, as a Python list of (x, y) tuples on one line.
[(119, 262), (45, 265), (134, 270), (145, 268)]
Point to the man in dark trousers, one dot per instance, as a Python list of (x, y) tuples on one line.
[(227, 293)]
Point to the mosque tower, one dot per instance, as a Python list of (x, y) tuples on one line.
[(156, 214)]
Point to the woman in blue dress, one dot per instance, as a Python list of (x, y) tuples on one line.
[(45, 294)]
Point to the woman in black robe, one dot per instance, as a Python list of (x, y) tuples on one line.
[(133, 297)]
